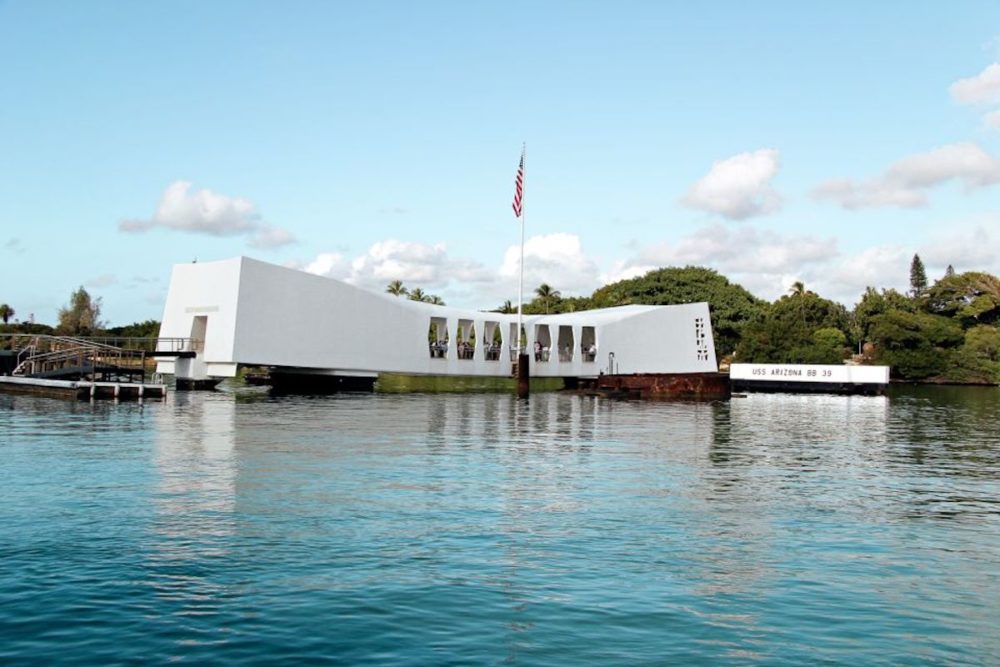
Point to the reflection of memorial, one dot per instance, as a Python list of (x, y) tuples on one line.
[(761, 465), (795, 426), (553, 419), (193, 496), (522, 493)]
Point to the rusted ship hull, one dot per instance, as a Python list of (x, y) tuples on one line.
[(690, 386)]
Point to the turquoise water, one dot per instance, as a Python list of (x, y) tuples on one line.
[(429, 529)]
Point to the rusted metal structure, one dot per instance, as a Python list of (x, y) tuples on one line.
[(694, 386)]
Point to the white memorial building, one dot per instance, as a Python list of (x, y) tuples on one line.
[(242, 311)]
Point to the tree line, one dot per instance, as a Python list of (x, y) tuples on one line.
[(945, 331), (80, 317)]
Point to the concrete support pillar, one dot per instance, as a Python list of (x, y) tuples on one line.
[(522, 376)]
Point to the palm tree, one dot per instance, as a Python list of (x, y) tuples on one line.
[(547, 295), (434, 299), (506, 308), (6, 312), (417, 294), (396, 288), (798, 288)]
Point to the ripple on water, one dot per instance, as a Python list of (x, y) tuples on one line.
[(430, 529)]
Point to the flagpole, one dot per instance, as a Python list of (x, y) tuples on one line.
[(523, 380), (520, 278)]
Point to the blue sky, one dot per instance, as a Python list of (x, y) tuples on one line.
[(773, 142)]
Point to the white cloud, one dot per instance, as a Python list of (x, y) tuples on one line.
[(905, 183), (416, 264), (271, 237), (764, 262), (141, 281), (103, 280), (882, 267), (206, 212), (965, 247), (965, 162), (556, 259), (623, 270), (738, 187), (992, 120), (395, 260), (201, 211), (329, 264), (743, 250), (869, 194), (982, 88)]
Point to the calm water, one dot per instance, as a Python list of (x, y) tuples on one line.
[(429, 529)]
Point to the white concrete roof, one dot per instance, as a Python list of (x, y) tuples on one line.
[(252, 312)]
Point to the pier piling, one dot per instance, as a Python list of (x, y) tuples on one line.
[(522, 375)]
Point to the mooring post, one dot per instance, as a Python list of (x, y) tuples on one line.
[(522, 375)]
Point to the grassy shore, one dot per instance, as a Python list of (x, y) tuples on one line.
[(391, 383)]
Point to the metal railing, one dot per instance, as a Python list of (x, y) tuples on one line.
[(43, 354), (17, 341)]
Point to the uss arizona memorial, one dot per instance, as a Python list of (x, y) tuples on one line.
[(241, 311)]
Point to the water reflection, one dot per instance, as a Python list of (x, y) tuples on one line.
[(193, 504), (417, 529), (947, 429)]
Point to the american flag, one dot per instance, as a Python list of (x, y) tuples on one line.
[(519, 187)]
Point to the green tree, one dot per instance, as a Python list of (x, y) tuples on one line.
[(82, 317), (874, 303), (418, 294), (830, 338), (788, 332), (6, 312), (971, 298), (731, 306), (396, 288), (978, 360), (506, 308), (27, 328), (949, 272), (144, 329), (918, 276), (546, 295), (572, 304), (916, 345)]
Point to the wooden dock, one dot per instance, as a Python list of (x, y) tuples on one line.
[(82, 389)]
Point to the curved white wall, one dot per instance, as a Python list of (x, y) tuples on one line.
[(261, 314)]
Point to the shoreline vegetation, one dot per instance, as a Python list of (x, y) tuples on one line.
[(945, 332)]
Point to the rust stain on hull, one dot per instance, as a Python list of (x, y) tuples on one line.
[(693, 386)]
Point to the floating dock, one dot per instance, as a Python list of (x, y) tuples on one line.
[(82, 389)]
